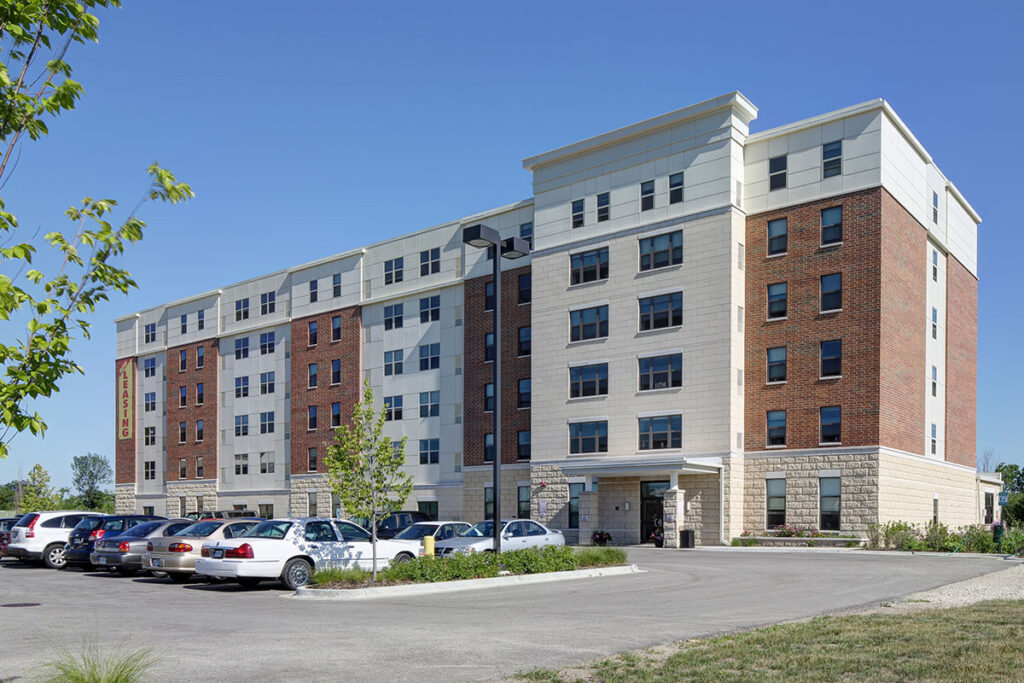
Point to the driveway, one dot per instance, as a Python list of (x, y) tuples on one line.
[(223, 632)]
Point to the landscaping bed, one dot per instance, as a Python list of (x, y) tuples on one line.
[(898, 535)]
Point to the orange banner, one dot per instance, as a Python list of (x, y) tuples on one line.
[(126, 399)]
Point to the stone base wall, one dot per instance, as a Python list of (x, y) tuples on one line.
[(673, 515), (298, 499), (909, 487), (191, 491), (124, 500), (701, 507)]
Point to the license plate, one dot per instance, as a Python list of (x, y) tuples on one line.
[(101, 560), (158, 563), (218, 554)]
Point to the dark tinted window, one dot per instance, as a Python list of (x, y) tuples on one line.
[(350, 532), (52, 523), (142, 530), (88, 523), (114, 524), (173, 529), (418, 531), (319, 531), (201, 529), (26, 520), (236, 530), (271, 529), (533, 529), (389, 522)]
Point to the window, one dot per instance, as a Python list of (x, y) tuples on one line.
[(312, 373), (523, 506), (832, 358), (525, 344), (150, 333), (335, 414), (831, 292), (675, 188), (647, 195), (182, 468), (656, 433), (935, 381), (241, 463), (149, 367), (935, 323), (430, 308), (935, 439), (267, 422), (489, 296), (311, 334), (242, 309), (488, 347), (577, 213), (184, 324), (268, 303), (935, 510), (525, 288), (524, 445), (150, 402), (393, 270), (488, 447), (524, 393), (336, 285), (183, 360), (393, 362), (832, 158), (588, 266), (314, 291), (831, 424), (526, 232), (182, 396), (777, 364), (831, 225), (603, 207), (990, 502), (311, 418), (588, 380), (777, 300), (575, 489), (664, 310), (588, 437), (661, 250), (200, 433), (776, 427), (199, 475), (430, 450), (311, 460), (489, 397), (393, 317), (430, 356), (266, 343), (430, 261), (392, 408), (311, 504), (741, 256), (266, 463), (430, 403), (778, 237), (335, 328), (935, 207), (588, 323), (739, 319), (241, 387), (150, 436), (266, 382), (830, 488), (335, 372), (935, 265), (182, 432), (201, 320), (661, 372), (241, 425), (488, 502), (200, 357), (149, 469), (241, 348), (776, 494), (777, 173)]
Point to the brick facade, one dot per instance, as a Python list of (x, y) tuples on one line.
[(347, 349), (124, 449), (478, 372), (190, 378), (961, 364)]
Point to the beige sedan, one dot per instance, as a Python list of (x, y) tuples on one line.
[(176, 555)]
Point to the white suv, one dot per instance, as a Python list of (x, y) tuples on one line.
[(43, 535)]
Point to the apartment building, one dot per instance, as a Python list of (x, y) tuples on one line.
[(716, 330)]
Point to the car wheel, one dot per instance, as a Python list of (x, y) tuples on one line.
[(127, 571), (54, 556), (297, 573), (249, 582), (178, 577), (403, 558)]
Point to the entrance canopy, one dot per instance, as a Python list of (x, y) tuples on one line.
[(640, 466)]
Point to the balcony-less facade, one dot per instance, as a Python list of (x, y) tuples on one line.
[(714, 332)]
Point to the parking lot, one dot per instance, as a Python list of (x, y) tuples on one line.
[(224, 632)]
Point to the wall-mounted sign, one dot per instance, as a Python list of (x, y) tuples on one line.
[(542, 506), (126, 399)]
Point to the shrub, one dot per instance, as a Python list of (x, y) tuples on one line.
[(896, 534), (335, 575), (1013, 542), (1013, 513), (450, 568), (936, 536), (874, 535), (977, 539), (550, 558), (600, 557)]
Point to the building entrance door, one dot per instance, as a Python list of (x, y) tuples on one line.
[(652, 494)]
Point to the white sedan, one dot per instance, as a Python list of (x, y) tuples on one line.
[(412, 536), (292, 549), (516, 534)]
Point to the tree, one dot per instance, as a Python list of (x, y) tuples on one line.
[(8, 494), (986, 460), (364, 467), (1013, 476), (53, 308), (38, 494), (89, 473)]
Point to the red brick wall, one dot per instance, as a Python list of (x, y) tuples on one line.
[(189, 378), (961, 364), (903, 316), (124, 449), (348, 392), (478, 373), (857, 324)]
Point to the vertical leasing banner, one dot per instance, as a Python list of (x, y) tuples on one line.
[(125, 399)]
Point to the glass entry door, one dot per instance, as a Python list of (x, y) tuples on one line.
[(652, 494)]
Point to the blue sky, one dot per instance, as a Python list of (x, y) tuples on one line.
[(306, 133)]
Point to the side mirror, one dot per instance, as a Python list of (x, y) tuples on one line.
[(506, 535)]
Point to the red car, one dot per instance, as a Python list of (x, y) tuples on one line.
[(5, 533)]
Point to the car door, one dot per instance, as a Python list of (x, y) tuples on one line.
[(444, 532), (357, 550), (514, 537), (320, 541), (536, 535)]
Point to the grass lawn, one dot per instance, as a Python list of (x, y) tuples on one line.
[(978, 643)]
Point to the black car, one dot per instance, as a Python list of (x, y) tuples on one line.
[(83, 537), (394, 523)]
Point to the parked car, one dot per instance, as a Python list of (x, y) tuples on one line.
[(392, 524), (222, 514), (83, 537), (176, 555), (123, 552), (292, 549), (440, 531), (43, 535), (516, 534), (5, 533)]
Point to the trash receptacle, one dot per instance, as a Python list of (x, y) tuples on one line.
[(686, 541)]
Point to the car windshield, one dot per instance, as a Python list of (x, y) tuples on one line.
[(140, 530), (272, 529), (89, 523), (114, 524), (201, 529), (481, 530), (417, 531)]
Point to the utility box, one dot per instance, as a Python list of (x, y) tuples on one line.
[(686, 538)]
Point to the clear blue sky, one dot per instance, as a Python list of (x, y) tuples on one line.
[(309, 129)]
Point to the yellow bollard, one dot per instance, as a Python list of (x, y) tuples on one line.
[(428, 546)]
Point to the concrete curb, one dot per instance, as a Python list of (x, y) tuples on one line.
[(409, 589), (858, 551)]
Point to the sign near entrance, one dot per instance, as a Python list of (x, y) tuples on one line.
[(125, 399), (1003, 497)]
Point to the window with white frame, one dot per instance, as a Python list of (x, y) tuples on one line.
[(267, 422), (266, 343), (268, 303), (588, 380), (335, 328), (430, 261), (149, 404), (588, 437), (777, 172), (241, 348), (336, 285), (392, 408), (430, 403), (776, 424), (588, 323), (660, 432), (661, 251), (182, 432), (241, 309), (430, 308), (311, 418), (149, 435), (241, 425), (182, 396), (266, 382), (336, 414), (149, 367), (184, 324), (935, 207), (935, 265), (778, 237), (661, 372), (200, 433), (335, 372), (832, 158), (831, 225), (603, 207), (664, 310), (312, 333), (313, 375), (241, 463), (241, 387), (588, 266), (393, 362), (200, 357), (775, 492), (832, 358), (577, 213), (201, 320), (394, 270), (935, 380), (149, 470), (150, 333), (430, 451), (675, 188), (314, 291), (393, 316), (647, 195), (777, 298), (831, 292), (266, 463), (430, 356), (776, 364)]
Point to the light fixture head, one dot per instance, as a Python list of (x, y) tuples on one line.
[(480, 235), (514, 247)]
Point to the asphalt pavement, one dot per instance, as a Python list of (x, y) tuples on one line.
[(225, 632)]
